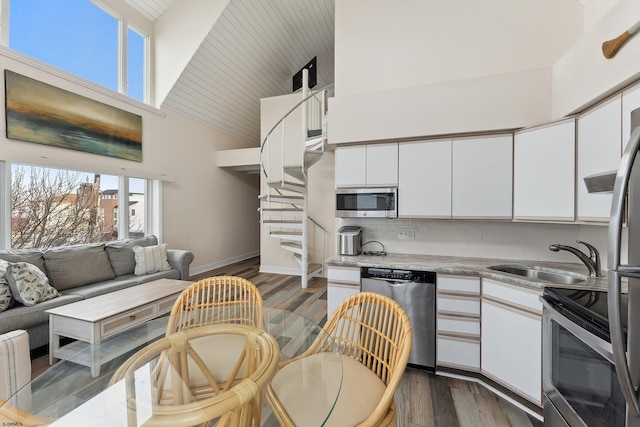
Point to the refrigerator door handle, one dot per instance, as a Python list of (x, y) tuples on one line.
[(617, 344), (620, 188)]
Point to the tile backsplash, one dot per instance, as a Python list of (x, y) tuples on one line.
[(509, 240)]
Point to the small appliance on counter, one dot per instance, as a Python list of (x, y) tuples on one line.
[(349, 240)]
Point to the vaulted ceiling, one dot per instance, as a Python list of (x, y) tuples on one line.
[(251, 52)]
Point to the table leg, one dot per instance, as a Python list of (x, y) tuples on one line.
[(54, 340)]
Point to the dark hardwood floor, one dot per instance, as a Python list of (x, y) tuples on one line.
[(423, 399)]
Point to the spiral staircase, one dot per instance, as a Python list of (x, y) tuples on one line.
[(284, 206)]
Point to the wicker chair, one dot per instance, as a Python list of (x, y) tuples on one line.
[(230, 298), (234, 404), (373, 335)]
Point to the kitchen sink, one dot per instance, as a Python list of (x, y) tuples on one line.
[(540, 273)]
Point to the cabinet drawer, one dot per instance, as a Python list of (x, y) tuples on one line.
[(458, 325), (458, 353), (512, 295), (165, 305), (127, 319), (343, 275), (465, 305), (459, 284)]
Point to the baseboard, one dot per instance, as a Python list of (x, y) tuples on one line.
[(223, 263)]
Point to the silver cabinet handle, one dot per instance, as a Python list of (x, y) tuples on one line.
[(616, 272)]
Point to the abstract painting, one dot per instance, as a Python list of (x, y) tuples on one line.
[(44, 114)]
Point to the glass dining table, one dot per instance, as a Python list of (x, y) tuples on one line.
[(129, 389)]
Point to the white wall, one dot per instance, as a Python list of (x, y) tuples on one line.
[(412, 68), (583, 75), (206, 209), (383, 45)]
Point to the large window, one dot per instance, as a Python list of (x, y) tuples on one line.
[(83, 39), (54, 207)]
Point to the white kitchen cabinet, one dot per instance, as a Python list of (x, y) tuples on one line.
[(424, 179), (458, 322), (511, 325), (599, 145), (544, 172), (369, 165), (482, 177), (342, 282), (630, 103), (351, 166), (382, 165)]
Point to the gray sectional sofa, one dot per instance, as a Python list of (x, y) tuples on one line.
[(80, 272)]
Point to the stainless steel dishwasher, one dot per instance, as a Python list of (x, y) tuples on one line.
[(415, 291)]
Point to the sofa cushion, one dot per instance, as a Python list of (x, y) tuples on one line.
[(73, 266), (151, 259), (29, 285), (32, 256), (121, 254), (6, 297)]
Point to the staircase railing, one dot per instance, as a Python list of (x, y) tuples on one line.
[(320, 123)]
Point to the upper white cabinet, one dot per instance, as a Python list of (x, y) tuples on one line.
[(424, 179), (371, 165), (599, 149), (482, 177), (544, 172), (351, 166)]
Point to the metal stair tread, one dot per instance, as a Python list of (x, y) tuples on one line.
[(288, 186), (282, 211), (292, 247), (282, 223)]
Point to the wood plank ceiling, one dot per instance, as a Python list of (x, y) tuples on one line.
[(252, 52)]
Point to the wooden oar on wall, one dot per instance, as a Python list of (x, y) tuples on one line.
[(611, 47)]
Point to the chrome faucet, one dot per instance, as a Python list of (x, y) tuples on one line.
[(592, 261)]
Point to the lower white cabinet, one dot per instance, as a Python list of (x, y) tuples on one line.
[(511, 350), (342, 282), (458, 322)]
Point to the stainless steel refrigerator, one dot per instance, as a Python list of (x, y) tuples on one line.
[(624, 309)]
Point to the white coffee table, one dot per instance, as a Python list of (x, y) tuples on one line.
[(94, 319)]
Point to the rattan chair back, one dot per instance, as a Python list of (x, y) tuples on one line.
[(374, 330), (234, 404), (230, 299)]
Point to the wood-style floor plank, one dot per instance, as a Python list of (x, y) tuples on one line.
[(423, 399)]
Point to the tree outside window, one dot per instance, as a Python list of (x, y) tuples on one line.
[(54, 207)]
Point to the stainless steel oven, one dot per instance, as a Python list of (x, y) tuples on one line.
[(367, 203), (580, 384)]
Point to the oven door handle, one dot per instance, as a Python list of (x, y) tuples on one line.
[(616, 271)]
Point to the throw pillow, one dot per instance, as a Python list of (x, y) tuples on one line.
[(6, 298), (29, 285), (121, 254), (151, 259)]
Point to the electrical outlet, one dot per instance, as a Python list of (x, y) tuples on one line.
[(405, 234)]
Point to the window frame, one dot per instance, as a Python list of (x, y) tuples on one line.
[(123, 26), (152, 224)]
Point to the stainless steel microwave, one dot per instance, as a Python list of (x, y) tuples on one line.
[(367, 203)]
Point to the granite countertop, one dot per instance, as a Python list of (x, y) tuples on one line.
[(467, 266)]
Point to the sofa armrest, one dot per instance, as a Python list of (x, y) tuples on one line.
[(180, 259), (15, 362)]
